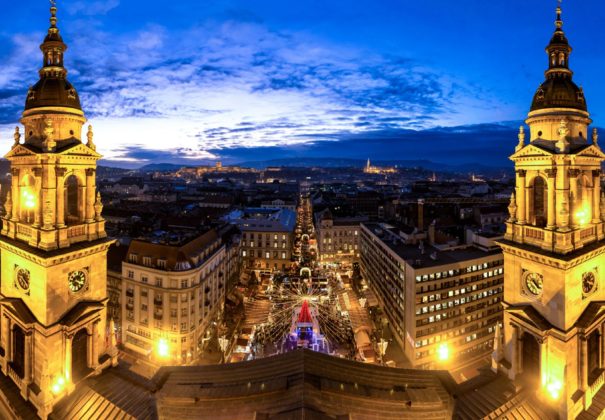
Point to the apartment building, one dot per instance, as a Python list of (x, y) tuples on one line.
[(442, 305), (337, 237), (267, 237), (171, 293)]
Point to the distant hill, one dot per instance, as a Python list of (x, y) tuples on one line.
[(161, 167), (359, 163)]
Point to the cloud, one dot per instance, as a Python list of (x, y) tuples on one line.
[(92, 8), (220, 86)]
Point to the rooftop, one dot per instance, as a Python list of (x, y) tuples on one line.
[(415, 256)]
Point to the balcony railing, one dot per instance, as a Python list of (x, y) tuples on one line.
[(15, 377), (596, 385), (76, 231)]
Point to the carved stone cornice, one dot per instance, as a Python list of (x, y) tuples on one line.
[(37, 171), (574, 173), (521, 173), (61, 171), (15, 171), (551, 173), (90, 171), (596, 173)]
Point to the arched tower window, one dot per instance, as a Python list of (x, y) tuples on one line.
[(540, 202), (72, 200), (27, 199), (561, 59)]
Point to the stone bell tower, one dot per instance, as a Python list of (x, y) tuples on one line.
[(554, 248), (53, 244)]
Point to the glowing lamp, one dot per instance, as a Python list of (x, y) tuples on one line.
[(163, 349), (553, 388), (582, 216), (29, 200), (58, 386), (443, 352)]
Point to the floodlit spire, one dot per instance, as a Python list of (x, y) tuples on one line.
[(559, 90), (53, 89)]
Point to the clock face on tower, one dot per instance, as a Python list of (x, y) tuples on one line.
[(588, 282), (533, 282), (22, 278), (76, 280)]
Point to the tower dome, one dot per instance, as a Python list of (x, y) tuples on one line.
[(558, 90), (53, 89)]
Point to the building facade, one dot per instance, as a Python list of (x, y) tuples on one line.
[(337, 238), (53, 245), (434, 300), (170, 295), (554, 248), (267, 237)]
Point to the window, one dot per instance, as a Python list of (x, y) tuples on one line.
[(162, 263), (158, 281), (173, 313), (184, 284), (147, 261), (183, 326), (183, 311), (131, 274), (243, 253), (143, 307), (144, 293), (144, 279)]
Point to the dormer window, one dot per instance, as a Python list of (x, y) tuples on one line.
[(133, 258), (147, 261), (162, 263)]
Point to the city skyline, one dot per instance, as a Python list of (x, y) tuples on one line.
[(221, 81)]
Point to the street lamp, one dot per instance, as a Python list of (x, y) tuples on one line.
[(223, 343), (443, 352), (382, 348), (163, 349)]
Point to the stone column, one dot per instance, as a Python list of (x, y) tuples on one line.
[(583, 363), (61, 196), (15, 194), (596, 196), (6, 340), (68, 343), (521, 198), (573, 195), (515, 349), (551, 184), (27, 369), (90, 195), (38, 193), (94, 344)]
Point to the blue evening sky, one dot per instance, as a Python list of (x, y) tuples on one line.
[(196, 81)]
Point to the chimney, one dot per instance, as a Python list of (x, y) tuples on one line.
[(421, 214), (432, 233)]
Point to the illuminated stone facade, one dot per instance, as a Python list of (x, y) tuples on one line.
[(554, 248), (435, 299), (170, 294), (337, 238), (53, 245)]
